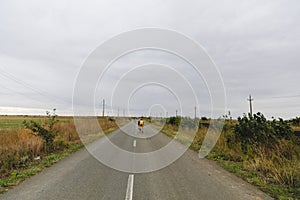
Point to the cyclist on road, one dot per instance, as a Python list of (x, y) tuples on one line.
[(141, 125)]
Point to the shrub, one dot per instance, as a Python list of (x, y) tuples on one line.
[(44, 131), (111, 119), (295, 121), (174, 121), (256, 130)]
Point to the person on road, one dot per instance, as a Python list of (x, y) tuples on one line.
[(141, 125)]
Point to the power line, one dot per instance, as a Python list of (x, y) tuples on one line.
[(22, 94), (288, 96), (9, 76)]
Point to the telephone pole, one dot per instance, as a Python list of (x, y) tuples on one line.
[(176, 113), (250, 101), (103, 107), (195, 112)]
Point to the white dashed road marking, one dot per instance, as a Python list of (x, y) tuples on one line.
[(129, 191), (134, 143)]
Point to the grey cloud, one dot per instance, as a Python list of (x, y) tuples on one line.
[(254, 43)]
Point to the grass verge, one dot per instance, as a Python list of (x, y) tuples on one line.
[(17, 176), (18, 148), (253, 177), (237, 163)]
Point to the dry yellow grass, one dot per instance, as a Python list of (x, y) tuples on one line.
[(17, 149), (19, 146), (279, 165)]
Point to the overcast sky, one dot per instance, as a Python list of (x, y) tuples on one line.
[(255, 44)]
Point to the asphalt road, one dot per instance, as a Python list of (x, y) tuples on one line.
[(81, 176)]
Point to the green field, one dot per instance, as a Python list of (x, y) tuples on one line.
[(11, 123)]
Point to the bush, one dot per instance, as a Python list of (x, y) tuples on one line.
[(111, 119), (44, 131), (174, 121), (295, 121), (256, 130)]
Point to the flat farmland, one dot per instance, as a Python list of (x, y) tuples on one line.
[(13, 123)]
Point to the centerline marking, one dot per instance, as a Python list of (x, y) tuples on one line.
[(129, 191), (134, 143)]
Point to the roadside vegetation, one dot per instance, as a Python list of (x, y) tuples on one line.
[(266, 153), (28, 144)]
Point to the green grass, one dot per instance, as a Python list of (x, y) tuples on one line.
[(11, 123)]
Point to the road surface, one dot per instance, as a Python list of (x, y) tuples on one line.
[(81, 176)]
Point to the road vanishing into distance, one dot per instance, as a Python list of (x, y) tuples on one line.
[(81, 176)]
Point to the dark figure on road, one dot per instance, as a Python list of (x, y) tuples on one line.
[(141, 125)]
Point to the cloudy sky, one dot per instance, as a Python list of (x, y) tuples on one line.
[(255, 45)]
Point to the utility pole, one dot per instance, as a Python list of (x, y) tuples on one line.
[(103, 107), (176, 113), (195, 112), (229, 115), (250, 101)]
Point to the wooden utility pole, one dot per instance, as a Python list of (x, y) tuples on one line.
[(195, 112), (176, 113), (250, 101), (103, 107)]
